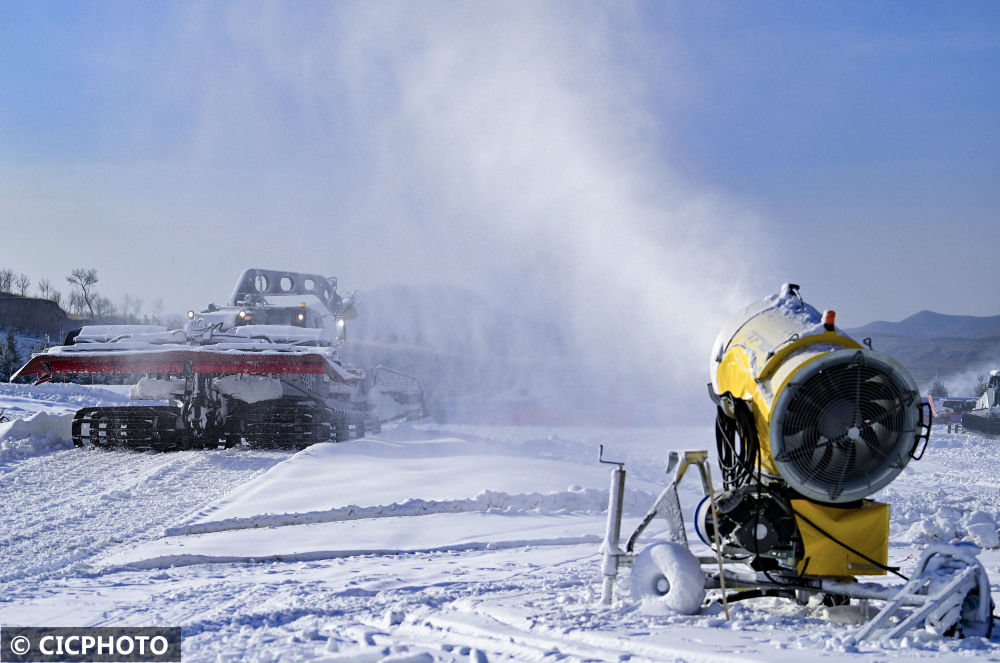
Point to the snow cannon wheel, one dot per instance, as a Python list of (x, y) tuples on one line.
[(670, 573), (969, 612), (966, 619)]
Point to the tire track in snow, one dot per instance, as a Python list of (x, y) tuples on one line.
[(507, 641), (57, 511)]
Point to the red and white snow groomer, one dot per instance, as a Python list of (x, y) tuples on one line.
[(265, 370)]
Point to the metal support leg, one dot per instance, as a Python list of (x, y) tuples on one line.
[(706, 479), (667, 505), (612, 534)]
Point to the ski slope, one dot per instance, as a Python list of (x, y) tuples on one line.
[(423, 543)]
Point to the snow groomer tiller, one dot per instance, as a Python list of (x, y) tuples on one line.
[(809, 424)]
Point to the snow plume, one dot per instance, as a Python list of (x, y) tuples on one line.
[(510, 149), (967, 383)]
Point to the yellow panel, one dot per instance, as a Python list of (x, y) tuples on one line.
[(865, 529), (735, 375)]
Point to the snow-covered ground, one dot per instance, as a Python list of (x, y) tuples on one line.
[(423, 543)]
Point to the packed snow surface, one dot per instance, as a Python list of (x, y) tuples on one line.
[(426, 542)]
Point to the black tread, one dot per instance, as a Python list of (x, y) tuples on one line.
[(282, 424), (142, 428)]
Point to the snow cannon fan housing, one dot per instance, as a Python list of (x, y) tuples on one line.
[(812, 419), (835, 420)]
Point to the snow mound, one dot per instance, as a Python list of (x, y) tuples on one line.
[(376, 476), (984, 535), (378, 496), (35, 435)]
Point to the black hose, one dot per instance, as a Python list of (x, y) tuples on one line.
[(737, 445)]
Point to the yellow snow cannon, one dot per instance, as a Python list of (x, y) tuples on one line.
[(809, 423)]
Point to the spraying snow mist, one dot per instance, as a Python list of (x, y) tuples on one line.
[(506, 150)]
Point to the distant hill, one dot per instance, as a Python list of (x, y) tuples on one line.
[(954, 349), (928, 324), (34, 316)]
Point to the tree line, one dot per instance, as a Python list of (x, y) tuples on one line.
[(84, 300)]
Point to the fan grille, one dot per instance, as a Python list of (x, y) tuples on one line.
[(845, 428)]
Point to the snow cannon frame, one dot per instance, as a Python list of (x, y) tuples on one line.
[(949, 594), (778, 381)]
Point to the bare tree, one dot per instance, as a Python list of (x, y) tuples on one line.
[(44, 288), (6, 279), (103, 308), (56, 296), (23, 283), (130, 307), (76, 303), (85, 279), (157, 307)]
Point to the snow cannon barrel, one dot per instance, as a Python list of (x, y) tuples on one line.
[(835, 420)]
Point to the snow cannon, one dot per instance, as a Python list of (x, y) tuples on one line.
[(809, 423)]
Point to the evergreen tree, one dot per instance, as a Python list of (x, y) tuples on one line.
[(10, 359), (938, 390)]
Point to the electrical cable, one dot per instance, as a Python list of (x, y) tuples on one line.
[(737, 445)]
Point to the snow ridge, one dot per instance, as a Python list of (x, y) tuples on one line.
[(573, 500), (169, 561)]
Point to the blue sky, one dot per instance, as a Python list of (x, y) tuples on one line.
[(657, 163)]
